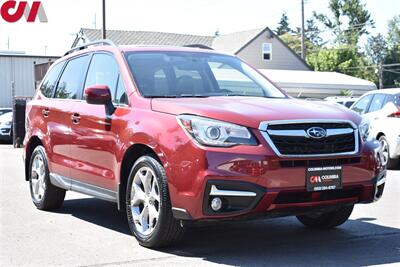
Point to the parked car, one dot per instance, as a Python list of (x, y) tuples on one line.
[(346, 101), (174, 135), (6, 126), (382, 109), (5, 110)]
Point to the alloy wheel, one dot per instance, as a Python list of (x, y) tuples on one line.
[(385, 151), (38, 174), (145, 201)]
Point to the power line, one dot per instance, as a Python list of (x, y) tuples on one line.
[(392, 71)]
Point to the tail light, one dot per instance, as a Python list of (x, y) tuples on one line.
[(395, 114)]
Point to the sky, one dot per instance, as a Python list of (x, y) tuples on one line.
[(204, 17)]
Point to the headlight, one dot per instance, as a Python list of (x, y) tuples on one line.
[(8, 123), (365, 130), (216, 133)]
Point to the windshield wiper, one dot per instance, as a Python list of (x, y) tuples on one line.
[(195, 95), (160, 96)]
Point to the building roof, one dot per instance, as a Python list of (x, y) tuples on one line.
[(233, 42), (317, 82), (26, 56), (146, 37)]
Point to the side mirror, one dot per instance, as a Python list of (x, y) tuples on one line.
[(100, 95)]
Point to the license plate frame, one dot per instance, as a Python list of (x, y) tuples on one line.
[(324, 178)]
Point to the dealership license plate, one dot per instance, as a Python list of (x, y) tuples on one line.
[(324, 178)]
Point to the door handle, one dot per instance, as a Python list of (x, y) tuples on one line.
[(45, 112), (75, 118)]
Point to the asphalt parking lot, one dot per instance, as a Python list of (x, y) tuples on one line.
[(91, 232)]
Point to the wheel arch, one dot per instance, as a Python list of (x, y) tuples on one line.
[(131, 155), (379, 135), (34, 141)]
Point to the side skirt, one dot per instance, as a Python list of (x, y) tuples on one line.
[(84, 188)]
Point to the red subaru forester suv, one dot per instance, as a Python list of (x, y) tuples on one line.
[(177, 134)]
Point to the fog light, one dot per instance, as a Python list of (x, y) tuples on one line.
[(216, 204)]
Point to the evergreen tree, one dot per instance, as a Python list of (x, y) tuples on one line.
[(283, 25)]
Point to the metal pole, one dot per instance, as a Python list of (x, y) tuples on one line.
[(380, 71), (104, 20), (303, 45)]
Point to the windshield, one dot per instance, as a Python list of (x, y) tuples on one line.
[(186, 74)]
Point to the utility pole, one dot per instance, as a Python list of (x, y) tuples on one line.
[(303, 45), (380, 74), (104, 20)]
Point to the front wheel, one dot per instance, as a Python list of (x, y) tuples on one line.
[(148, 205), (326, 220)]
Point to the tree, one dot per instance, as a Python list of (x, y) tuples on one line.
[(376, 49), (312, 37), (294, 42), (343, 59), (357, 18), (393, 38), (313, 33), (283, 25)]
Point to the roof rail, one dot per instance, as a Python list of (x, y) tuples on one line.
[(198, 46), (86, 45)]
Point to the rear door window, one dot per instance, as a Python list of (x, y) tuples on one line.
[(71, 82), (49, 82), (362, 105), (377, 102)]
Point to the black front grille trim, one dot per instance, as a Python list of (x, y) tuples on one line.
[(308, 146), (343, 143), (319, 162)]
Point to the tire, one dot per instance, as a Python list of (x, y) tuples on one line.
[(152, 230), (44, 195), (385, 149), (326, 220), (390, 163)]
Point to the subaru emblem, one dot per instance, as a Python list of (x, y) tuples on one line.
[(316, 132)]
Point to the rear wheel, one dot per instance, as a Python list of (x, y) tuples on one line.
[(328, 219), (148, 205), (44, 195)]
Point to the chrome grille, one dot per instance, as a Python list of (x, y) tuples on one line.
[(290, 138)]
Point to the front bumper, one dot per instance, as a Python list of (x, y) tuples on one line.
[(273, 203), (5, 133), (267, 185)]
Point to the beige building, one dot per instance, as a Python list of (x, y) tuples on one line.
[(259, 47)]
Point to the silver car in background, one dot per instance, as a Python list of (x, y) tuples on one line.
[(382, 109), (6, 126)]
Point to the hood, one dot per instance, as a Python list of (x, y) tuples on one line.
[(6, 117), (250, 111)]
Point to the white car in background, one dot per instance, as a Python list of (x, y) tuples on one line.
[(381, 108), (5, 126), (346, 101)]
